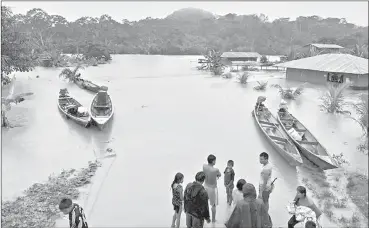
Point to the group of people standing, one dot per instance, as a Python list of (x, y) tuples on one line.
[(249, 209)]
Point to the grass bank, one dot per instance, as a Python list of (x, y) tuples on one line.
[(38, 207), (357, 189), (340, 194)]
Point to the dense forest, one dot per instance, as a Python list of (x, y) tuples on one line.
[(186, 31)]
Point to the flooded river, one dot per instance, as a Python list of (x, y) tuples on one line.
[(168, 118)]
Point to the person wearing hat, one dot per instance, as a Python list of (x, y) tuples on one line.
[(249, 212)]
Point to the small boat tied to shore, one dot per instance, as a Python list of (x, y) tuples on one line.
[(101, 108), (274, 133), (72, 109), (308, 145), (88, 85)]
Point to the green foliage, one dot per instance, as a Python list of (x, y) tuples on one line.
[(70, 75), (261, 86), (227, 75), (288, 92), (15, 46), (264, 59), (361, 109), (243, 78), (214, 62), (39, 205), (187, 31), (334, 100)]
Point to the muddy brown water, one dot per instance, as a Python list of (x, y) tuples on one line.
[(168, 118)]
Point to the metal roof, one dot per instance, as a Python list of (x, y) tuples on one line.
[(322, 46), (241, 55), (339, 63)]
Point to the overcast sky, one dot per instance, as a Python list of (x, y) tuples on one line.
[(354, 12)]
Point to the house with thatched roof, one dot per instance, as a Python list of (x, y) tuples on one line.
[(324, 68)]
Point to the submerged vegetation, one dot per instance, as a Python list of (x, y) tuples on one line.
[(214, 62), (38, 37), (334, 201), (334, 100), (288, 92), (39, 205), (261, 86), (361, 109), (243, 77), (70, 75)]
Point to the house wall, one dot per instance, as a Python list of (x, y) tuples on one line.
[(319, 77), (243, 59)]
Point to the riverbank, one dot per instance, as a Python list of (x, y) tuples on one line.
[(38, 207), (341, 194)]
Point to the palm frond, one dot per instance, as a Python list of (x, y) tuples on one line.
[(261, 86), (298, 91), (334, 100), (361, 109), (78, 67), (276, 86), (243, 78), (66, 72)]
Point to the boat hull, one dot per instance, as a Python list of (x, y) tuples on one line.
[(101, 120), (87, 85), (315, 159), (293, 160), (81, 121)]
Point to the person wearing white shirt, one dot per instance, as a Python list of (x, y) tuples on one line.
[(265, 184)]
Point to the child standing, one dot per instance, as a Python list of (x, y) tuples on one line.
[(177, 200), (229, 180), (77, 218)]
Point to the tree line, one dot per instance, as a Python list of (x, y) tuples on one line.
[(38, 32)]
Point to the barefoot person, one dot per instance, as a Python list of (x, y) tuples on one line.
[(302, 199), (265, 184), (229, 181), (212, 174), (249, 212), (77, 218), (177, 199), (196, 203)]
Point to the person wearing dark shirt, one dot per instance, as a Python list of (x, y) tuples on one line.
[(301, 199), (229, 180), (196, 203), (77, 218)]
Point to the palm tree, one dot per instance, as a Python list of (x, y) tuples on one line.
[(288, 92), (243, 78), (361, 51), (333, 101), (70, 75), (361, 109), (261, 86), (214, 62)]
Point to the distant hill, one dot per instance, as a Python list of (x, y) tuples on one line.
[(190, 14)]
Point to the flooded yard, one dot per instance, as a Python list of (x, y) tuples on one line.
[(168, 118)]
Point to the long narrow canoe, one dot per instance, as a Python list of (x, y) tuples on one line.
[(88, 85), (277, 138), (309, 146), (72, 109), (101, 108)]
